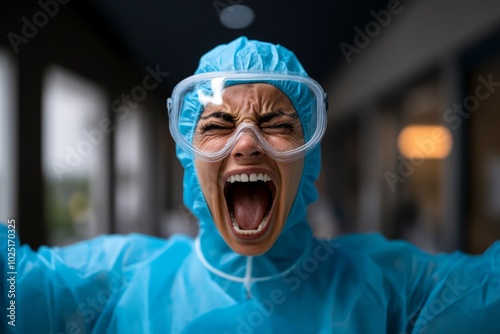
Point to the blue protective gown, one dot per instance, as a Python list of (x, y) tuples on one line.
[(351, 284)]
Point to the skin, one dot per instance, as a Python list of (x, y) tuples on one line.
[(249, 103)]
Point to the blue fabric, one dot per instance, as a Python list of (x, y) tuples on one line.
[(352, 284)]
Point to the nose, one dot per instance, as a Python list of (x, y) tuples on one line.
[(247, 148)]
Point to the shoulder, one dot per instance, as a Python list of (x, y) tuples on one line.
[(132, 242), (394, 261), (376, 245), (117, 251)]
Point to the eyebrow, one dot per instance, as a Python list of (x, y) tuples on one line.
[(220, 114), (270, 115), (263, 118)]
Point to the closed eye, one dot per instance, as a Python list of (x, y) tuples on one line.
[(217, 121), (279, 122), (280, 125), (267, 117), (212, 126)]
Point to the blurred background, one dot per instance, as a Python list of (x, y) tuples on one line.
[(412, 148)]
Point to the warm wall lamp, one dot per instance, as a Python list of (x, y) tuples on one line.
[(425, 142)]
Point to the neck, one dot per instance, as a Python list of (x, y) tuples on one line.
[(277, 261)]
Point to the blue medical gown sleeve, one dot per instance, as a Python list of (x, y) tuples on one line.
[(417, 292), (73, 288), (464, 295)]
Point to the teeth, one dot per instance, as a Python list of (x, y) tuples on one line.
[(250, 232), (254, 177)]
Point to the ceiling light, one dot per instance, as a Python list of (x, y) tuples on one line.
[(236, 17)]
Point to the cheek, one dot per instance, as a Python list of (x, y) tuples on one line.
[(298, 175), (210, 143), (208, 176), (291, 175), (294, 173), (282, 143)]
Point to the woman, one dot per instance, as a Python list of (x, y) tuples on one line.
[(247, 127)]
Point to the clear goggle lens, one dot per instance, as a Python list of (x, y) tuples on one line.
[(285, 114)]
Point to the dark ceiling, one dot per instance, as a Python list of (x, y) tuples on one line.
[(176, 33)]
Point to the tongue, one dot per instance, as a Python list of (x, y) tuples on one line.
[(250, 201)]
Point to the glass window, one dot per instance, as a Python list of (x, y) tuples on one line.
[(481, 106), (417, 181), (7, 135), (130, 166), (75, 136)]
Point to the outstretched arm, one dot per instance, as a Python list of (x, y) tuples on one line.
[(69, 289)]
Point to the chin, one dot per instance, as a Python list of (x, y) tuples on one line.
[(251, 247)]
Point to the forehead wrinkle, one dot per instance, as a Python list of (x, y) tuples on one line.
[(255, 99)]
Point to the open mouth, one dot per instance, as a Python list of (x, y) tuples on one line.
[(249, 201)]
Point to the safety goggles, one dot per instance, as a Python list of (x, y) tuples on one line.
[(210, 113)]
